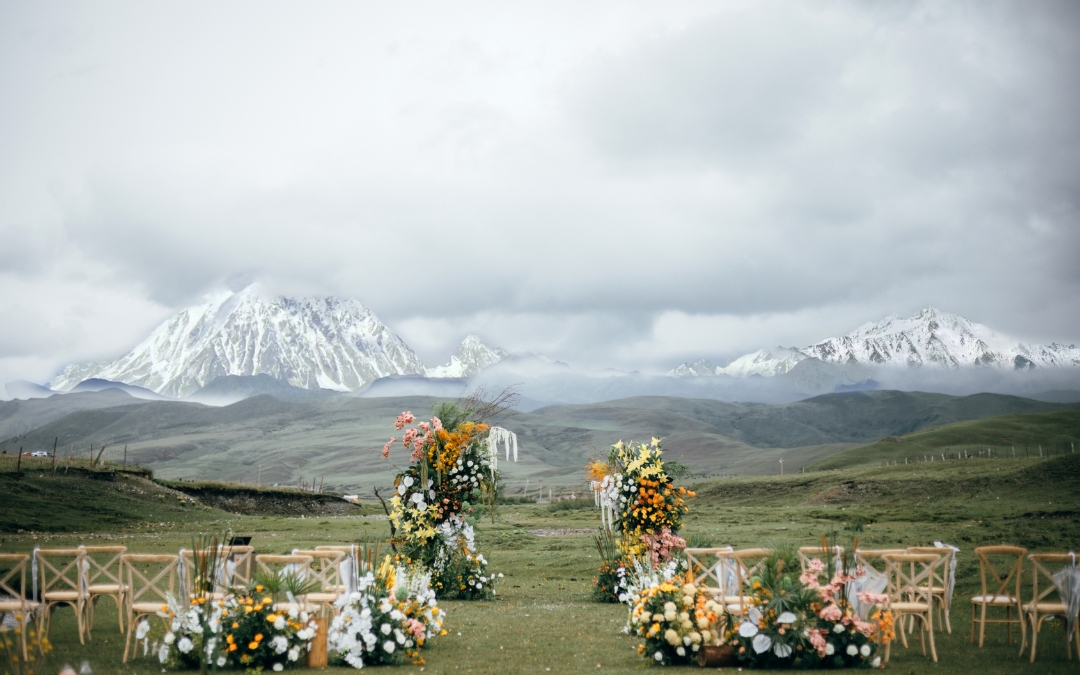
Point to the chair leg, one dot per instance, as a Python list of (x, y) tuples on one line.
[(948, 623), (973, 608), (1034, 634), (982, 625), (933, 647), (922, 633), (1008, 625), (127, 641)]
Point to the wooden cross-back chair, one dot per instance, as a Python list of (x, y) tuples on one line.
[(104, 577), (277, 565), (806, 553), (326, 569), (63, 582), (710, 572), (747, 564), (1001, 591), (151, 579), (941, 582), (244, 559), (911, 593), (1047, 602), (13, 575), (362, 555), (224, 572)]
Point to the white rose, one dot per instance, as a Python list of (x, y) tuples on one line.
[(876, 662), (385, 628), (852, 650), (220, 661), (388, 646), (278, 667), (185, 645), (838, 628), (294, 654), (829, 649), (680, 651), (865, 650), (142, 629), (169, 638), (279, 624), (658, 656)]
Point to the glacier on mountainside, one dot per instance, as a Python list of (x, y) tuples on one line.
[(472, 356), (929, 339)]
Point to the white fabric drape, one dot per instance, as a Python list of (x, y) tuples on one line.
[(871, 581), (185, 595), (1068, 585), (950, 583)]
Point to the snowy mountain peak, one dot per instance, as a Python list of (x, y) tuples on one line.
[(318, 342), (928, 339), (471, 357)]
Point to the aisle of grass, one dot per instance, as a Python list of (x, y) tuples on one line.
[(544, 617)]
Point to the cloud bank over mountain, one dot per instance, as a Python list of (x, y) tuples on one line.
[(629, 186)]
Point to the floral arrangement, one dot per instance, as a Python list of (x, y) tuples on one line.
[(674, 617), (795, 621), (388, 619), (452, 475), (647, 508)]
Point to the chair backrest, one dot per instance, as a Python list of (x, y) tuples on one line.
[(999, 585), (103, 564), (326, 567), (874, 557), (225, 569), (747, 563), (244, 559), (62, 569), (150, 577), (12, 567), (710, 570), (806, 553), (1039, 563), (941, 578), (911, 575)]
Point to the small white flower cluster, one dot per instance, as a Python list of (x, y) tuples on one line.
[(378, 625), (469, 473), (414, 495)]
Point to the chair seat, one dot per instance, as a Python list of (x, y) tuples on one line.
[(286, 606), (994, 600), (322, 598), (146, 607), (104, 589), (12, 606), (909, 607), (61, 596), (1045, 608)]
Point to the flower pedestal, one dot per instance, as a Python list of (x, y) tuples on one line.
[(716, 657), (316, 656)]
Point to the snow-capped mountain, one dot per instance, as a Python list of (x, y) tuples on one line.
[(312, 343), (929, 339), (472, 356)]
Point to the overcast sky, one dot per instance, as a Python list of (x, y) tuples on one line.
[(614, 184)]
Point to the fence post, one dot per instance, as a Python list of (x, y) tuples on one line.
[(18, 464), (55, 441)]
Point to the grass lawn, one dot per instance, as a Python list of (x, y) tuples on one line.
[(544, 619)]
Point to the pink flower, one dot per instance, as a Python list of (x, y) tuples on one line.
[(872, 598), (808, 579), (662, 545), (386, 448), (403, 419), (864, 627), (436, 424), (424, 426), (417, 452), (410, 435), (815, 565), (831, 612), (416, 628), (817, 639)]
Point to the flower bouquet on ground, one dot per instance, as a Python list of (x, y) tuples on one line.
[(388, 619), (452, 476), (675, 618), (794, 621)]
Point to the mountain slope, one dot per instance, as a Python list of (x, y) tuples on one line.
[(929, 339), (310, 343), (472, 356)]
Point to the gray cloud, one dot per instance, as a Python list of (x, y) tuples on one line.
[(563, 181)]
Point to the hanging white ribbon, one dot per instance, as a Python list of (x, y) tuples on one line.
[(508, 439), (950, 583), (181, 568), (871, 581), (1068, 585), (34, 573)]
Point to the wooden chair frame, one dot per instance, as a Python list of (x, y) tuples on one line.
[(273, 564), (941, 582), (708, 577), (21, 607), (62, 584), (805, 553), (244, 557), (222, 588), (747, 563), (113, 584), (1038, 609), (146, 593), (1001, 595), (911, 593), (325, 567)]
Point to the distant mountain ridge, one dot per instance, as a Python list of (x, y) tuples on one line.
[(929, 339), (310, 343)]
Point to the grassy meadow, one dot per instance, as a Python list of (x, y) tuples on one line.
[(544, 619)]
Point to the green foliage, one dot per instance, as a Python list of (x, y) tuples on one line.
[(606, 582)]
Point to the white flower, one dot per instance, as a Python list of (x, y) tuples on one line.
[(220, 661), (852, 650), (747, 629), (838, 628), (280, 644), (399, 636), (169, 638), (294, 654), (407, 480), (278, 667), (659, 656), (386, 628), (142, 629), (829, 649), (680, 651), (279, 624), (185, 645), (786, 617), (163, 653), (762, 643), (388, 646), (782, 651), (865, 650), (876, 662), (306, 634)]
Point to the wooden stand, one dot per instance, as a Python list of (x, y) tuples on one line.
[(316, 656), (714, 657)]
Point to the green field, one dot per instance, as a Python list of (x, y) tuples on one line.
[(544, 617)]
